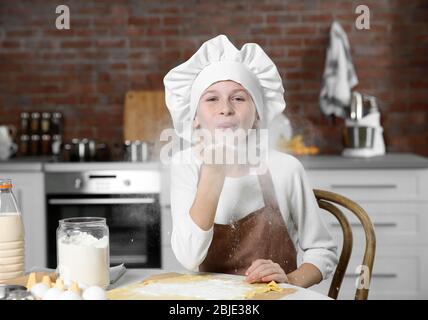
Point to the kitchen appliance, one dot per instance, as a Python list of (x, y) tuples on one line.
[(363, 133), (128, 200)]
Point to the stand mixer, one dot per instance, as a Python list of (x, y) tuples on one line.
[(363, 134)]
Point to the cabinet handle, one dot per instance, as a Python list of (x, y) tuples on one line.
[(376, 224), (363, 186), (374, 275), (101, 201)]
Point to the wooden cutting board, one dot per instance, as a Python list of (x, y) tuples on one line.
[(145, 116)]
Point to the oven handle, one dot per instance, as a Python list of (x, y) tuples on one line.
[(101, 201)]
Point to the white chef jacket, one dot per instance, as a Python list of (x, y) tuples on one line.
[(241, 196)]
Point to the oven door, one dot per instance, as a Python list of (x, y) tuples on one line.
[(133, 221)]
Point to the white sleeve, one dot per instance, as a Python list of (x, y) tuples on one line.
[(314, 239), (189, 242)]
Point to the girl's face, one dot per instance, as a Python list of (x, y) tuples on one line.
[(225, 105)]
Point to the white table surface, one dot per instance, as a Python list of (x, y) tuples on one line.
[(135, 275)]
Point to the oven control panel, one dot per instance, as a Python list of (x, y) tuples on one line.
[(102, 182)]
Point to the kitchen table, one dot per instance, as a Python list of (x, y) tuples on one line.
[(135, 275)]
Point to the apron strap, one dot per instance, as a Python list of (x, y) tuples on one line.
[(268, 190)]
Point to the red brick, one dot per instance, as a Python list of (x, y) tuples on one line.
[(76, 44), (144, 21), (300, 30), (282, 18), (111, 43), (271, 30)]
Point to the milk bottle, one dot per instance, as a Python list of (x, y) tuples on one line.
[(11, 234)]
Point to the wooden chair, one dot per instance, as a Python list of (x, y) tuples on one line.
[(325, 201)]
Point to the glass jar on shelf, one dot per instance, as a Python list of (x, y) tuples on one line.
[(24, 145), (46, 145), (35, 145), (46, 123), (25, 123), (35, 122)]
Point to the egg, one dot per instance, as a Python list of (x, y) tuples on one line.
[(94, 293), (52, 294), (39, 289), (69, 295)]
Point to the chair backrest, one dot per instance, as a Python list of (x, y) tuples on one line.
[(326, 201)]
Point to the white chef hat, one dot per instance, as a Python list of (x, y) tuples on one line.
[(216, 60)]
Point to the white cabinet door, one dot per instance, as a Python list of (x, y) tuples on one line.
[(169, 261), (29, 191)]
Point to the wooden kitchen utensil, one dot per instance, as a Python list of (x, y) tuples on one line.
[(145, 116)]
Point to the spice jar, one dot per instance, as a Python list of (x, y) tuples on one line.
[(46, 122), (25, 123), (35, 122), (46, 144), (24, 145), (83, 251), (35, 145), (56, 123)]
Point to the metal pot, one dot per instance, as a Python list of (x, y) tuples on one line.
[(83, 150), (137, 151), (359, 136)]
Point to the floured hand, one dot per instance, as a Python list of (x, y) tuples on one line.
[(262, 270)]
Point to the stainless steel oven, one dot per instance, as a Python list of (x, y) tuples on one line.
[(129, 200)]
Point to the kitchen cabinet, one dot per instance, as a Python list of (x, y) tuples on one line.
[(397, 203), (169, 261), (29, 190)]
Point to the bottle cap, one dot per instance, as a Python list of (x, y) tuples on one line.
[(5, 183)]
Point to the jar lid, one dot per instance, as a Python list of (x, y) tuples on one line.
[(83, 221)]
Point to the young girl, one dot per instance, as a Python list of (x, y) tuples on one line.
[(225, 219)]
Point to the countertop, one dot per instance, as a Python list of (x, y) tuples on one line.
[(388, 161), (320, 162), (135, 275), (47, 164)]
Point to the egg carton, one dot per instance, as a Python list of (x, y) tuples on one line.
[(47, 286)]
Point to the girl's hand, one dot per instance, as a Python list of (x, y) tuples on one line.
[(220, 158), (265, 271)]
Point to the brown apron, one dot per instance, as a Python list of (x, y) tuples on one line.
[(260, 235)]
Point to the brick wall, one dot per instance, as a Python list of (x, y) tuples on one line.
[(115, 46)]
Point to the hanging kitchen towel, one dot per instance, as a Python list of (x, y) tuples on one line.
[(339, 74)]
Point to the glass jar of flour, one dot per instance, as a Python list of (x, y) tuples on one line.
[(83, 252)]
